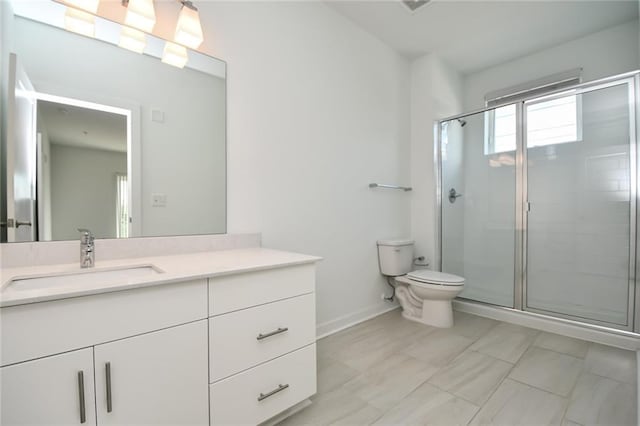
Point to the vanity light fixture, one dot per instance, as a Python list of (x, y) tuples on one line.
[(189, 29), (175, 55), (140, 14), (90, 6), (80, 22), (132, 39)]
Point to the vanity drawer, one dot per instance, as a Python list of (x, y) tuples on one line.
[(40, 329), (234, 292), (243, 339), (235, 400)]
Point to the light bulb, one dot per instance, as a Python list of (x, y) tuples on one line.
[(189, 29), (90, 6), (132, 39), (79, 22), (141, 14), (175, 55)]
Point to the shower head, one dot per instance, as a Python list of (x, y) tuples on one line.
[(462, 122)]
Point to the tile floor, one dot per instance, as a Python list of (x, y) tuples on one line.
[(390, 371)]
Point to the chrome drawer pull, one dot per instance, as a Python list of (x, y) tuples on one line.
[(280, 388), (273, 333), (83, 408), (107, 368)]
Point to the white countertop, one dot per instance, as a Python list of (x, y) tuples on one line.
[(175, 268)]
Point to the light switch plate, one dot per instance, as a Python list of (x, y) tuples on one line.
[(157, 116), (158, 200)]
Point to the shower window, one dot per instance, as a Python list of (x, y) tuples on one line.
[(548, 123), (555, 121), (500, 130)]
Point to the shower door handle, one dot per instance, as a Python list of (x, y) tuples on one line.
[(453, 194)]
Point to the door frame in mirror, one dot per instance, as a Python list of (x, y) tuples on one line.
[(129, 109)]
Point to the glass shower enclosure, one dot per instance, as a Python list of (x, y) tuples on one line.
[(537, 203)]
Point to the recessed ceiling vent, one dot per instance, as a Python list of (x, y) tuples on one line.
[(414, 4)]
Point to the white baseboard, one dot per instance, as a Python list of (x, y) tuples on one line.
[(349, 320), (623, 340)]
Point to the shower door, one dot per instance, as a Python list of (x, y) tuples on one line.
[(538, 203), (478, 197), (580, 194)]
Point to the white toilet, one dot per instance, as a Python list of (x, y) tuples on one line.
[(425, 295)]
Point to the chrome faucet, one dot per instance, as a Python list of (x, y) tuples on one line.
[(87, 249)]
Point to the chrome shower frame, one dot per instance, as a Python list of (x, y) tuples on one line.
[(632, 80)]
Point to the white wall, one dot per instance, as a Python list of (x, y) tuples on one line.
[(436, 92), (602, 54), (83, 191), (182, 157), (317, 109)]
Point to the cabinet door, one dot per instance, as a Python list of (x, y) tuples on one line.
[(158, 378), (56, 390)]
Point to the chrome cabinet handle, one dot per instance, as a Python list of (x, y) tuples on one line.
[(272, 333), (83, 412), (280, 388), (12, 223), (107, 368)]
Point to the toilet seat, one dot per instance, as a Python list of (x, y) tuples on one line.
[(427, 276)]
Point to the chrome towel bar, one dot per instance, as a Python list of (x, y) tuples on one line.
[(382, 185)]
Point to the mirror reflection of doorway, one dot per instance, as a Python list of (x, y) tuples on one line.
[(66, 163), (82, 170)]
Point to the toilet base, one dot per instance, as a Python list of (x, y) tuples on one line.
[(439, 314), (435, 313)]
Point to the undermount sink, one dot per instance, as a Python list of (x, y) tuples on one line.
[(85, 277)]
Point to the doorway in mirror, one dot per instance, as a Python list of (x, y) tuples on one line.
[(82, 169), (70, 166)]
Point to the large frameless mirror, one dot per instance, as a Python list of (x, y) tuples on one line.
[(104, 138)]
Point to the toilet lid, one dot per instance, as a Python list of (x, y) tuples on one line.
[(435, 277)]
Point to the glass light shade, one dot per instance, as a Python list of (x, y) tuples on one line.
[(132, 39), (175, 55), (88, 5), (189, 29), (79, 22), (141, 15)]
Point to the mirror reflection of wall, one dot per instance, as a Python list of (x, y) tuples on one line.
[(83, 172)]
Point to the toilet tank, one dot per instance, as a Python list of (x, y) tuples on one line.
[(395, 257)]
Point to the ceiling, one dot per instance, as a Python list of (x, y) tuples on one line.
[(82, 127), (473, 35)]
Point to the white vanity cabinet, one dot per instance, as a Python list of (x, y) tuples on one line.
[(153, 339), (158, 378), (53, 390), (262, 343), (233, 349)]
